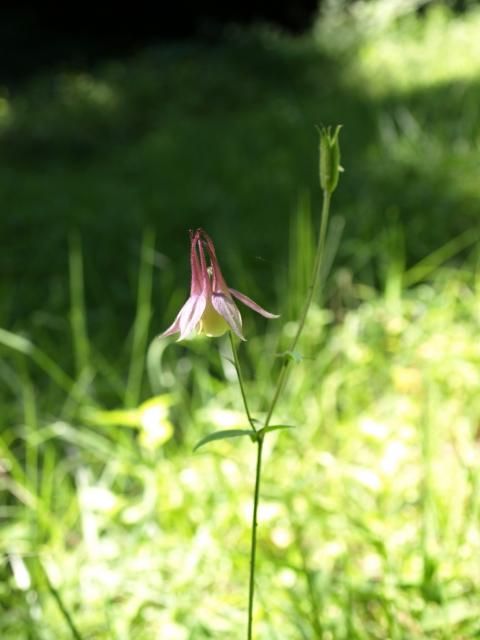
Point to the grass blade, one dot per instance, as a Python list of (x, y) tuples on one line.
[(142, 321), (78, 322), (222, 435)]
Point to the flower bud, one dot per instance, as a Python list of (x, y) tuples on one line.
[(329, 158)]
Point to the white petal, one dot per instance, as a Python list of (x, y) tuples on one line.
[(226, 307), (190, 315), (173, 328), (253, 305)]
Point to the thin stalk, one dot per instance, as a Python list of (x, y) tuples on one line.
[(78, 315), (253, 548), (426, 499), (317, 269), (142, 321), (60, 604), (259, 441), (431, 587), (240, 380)]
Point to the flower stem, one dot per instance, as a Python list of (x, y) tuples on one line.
[(60, 604), (317, 270), (260, 435), (240, 380), (317, 267), (258, 470), (253, 548)]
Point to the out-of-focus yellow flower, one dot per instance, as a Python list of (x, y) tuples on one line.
[(151, 418)]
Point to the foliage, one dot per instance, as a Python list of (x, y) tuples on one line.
[(369, 525)]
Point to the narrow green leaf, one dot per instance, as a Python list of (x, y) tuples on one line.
[(222, 435), (276, 427), (291, 355), (59, 602), (15, 342)]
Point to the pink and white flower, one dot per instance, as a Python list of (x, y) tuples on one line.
[(210, 309)]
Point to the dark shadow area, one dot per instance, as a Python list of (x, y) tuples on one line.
[(220, 136), (38, 36), (112, 518)]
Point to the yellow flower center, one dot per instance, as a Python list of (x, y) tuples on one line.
[(212, 324)]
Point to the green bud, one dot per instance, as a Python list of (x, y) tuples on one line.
[(329, 158)]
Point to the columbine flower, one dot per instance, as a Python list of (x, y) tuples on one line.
[(210, 309)]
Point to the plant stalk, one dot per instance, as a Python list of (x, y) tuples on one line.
[(60, 604), (317, 269), (253, 548), (240, 380)]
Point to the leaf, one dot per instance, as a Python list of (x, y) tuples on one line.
[(291, 355), (222, 435), (15, 342), (276, 427)]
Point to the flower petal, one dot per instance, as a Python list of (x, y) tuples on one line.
[(173, 328), (205, 283), (187, 318), (253, 305), (218, 281), (190, 315), (226, 307), (196, 283)]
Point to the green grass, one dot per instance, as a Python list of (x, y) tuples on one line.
[(369, 519)]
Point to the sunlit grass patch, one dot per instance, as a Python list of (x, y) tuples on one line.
[(370, 510), (370, 521), (437, 49), (394, 48)]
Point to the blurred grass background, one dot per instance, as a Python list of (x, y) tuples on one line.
[(370, 511)]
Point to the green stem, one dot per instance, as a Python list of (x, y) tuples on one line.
[(431, 586), (240, 380), (253, 548), (317, 269), (60, 604)]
